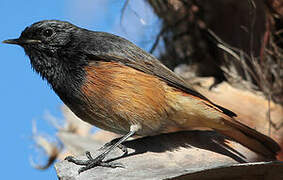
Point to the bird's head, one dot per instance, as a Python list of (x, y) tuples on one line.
[(60, 50), (45, 36), (44, 42)]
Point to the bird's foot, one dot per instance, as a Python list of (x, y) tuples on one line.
[(92, 162)]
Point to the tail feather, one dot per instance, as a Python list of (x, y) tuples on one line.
[(250, 138)]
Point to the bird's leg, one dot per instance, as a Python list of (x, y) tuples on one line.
[(112, 142), (98, 161)]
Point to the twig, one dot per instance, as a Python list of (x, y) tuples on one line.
[(231, 50)]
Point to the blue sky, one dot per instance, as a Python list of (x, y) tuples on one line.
[(24, 96)]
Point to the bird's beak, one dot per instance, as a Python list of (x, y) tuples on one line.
[(21, 42), (11, 41)]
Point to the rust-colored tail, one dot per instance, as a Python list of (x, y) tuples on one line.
[(250, 138)]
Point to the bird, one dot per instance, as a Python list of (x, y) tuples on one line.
[(114, 85)]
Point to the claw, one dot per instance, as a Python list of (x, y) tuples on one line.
[(98, 161), (77, 161), (92, 162), (102, 164)]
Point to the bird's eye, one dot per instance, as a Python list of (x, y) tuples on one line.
[(48, 32)]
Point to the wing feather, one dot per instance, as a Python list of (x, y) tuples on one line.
[(113, 48)]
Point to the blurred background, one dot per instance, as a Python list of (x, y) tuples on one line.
[(24, 96), (220, 41)]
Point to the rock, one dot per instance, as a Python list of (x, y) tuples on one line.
[(182, 155)]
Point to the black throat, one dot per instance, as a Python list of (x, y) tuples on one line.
[(65, 73)]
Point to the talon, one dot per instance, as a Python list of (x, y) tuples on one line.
[(77, 161), (98, 162), (71, 159), (68, 158), (92, 162)]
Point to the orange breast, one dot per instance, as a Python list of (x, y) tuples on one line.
[(119, 96)]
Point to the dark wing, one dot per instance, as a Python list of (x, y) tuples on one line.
[(120, 50)]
